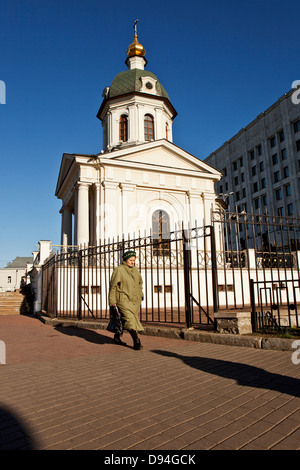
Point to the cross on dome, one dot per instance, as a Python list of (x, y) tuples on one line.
[(135, 49)]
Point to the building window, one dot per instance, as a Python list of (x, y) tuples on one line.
[(263, 183), (275, 158), (237, 196), (167, 131), (261, 166), (256, 203), (264, 199), (123, 128), (281, 136), (288, 191), (234, 166), (243, 177), (9, 280), (297, 126), (259, 149), (149, 127), (272, 142), (278, 194), (251, 153), (290, 209), (241, 162), (236, 180), (244, 192), (161, 233), (255, 187), (280, 211), (298, 145), (253, 170), (276, 176), (286, 172), (283, 154)]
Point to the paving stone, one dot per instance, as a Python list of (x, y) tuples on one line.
[(69, 388)]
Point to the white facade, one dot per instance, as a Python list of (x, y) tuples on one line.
[(12, 277), (117, 194), (140, 171)]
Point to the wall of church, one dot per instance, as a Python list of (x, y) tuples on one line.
[(130, 198), (135, 109)]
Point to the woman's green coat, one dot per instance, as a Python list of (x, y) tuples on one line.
[(126, 291)]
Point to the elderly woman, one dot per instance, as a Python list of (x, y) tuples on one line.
[(126, 292)]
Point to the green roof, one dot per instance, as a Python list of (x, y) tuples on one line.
[(129, 81)]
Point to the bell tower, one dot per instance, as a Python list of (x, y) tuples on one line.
[(136, 107)]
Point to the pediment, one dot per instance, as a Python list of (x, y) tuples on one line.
[(164, 154), (65, 166)]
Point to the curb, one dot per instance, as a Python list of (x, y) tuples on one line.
[(257, 342)]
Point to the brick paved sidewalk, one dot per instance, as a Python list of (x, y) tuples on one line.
[(67, 388)]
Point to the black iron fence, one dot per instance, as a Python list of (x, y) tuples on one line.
[(177, 278), (189, 274), (260, 254)]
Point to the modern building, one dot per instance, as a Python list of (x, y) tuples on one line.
[(261, 163), (141, 181)]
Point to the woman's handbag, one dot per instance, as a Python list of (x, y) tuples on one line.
[(115, 322)]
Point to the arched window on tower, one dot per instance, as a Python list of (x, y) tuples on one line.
[(161, 233), (149, 127), (167, 131), (123, 128)]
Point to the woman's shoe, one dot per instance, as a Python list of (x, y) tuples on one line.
[(117, 340), (137, 345)]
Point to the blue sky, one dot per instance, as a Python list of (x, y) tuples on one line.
[(221, 62)]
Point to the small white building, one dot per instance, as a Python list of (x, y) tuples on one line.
[(141, 180), (15, 274)]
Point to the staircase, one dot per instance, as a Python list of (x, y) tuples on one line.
[(12, 303)]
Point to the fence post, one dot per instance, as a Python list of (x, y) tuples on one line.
[(253, 312), (186, 274), (79, 312), (214, 269)]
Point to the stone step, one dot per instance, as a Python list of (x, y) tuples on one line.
[(10, 311), (12, 303)]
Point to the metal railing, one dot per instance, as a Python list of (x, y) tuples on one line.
[(188, 275), (176, 278), (257, 253)]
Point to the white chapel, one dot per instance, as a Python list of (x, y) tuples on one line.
[(141, 182)]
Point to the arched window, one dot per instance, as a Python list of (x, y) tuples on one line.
[(167, 131), (161, 233), (123, 128), (148, 127)]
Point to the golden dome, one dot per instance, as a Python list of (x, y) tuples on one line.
[(135, 48)]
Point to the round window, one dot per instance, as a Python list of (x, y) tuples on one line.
[(149, 85)]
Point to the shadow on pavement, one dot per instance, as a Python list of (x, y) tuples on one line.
[(88, 335), (13, 433), (243, 374)]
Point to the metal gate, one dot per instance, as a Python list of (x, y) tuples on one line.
[(275, 304), (178, 270)]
